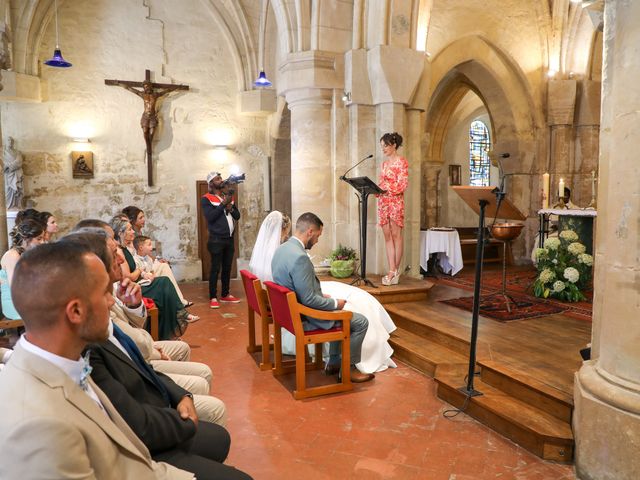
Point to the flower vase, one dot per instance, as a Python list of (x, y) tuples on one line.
[(341, 268)]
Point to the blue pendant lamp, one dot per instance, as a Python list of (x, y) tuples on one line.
[(57, 60), (262, 80)]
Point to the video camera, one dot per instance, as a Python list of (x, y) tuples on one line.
[(234, 179)]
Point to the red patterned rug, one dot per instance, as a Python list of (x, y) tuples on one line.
[(519, 284), (494, 306)]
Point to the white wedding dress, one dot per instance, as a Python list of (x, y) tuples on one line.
[(376, 351)]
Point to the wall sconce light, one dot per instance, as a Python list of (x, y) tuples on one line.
[(346, 96), (221, 147), (81, 140), (551, 73)]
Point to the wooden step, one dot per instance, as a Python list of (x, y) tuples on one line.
[(539, 432), (422, 353), (417, 324), (527, 389)]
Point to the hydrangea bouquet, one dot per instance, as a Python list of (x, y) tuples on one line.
[(564, 269)]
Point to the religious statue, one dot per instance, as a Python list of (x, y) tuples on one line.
[(13, 188), (150, 93)]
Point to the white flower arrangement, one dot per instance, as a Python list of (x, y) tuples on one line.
[(564, 268), (558, 286), (586, 259), (576, 248), (552, 243), (569, 235), (571, 274)]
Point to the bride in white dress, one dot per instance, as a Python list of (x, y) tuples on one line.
[(376, 351)]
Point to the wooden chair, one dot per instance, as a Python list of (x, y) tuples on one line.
[(6, 323), (287, 313), (257, 302), (152, 318)]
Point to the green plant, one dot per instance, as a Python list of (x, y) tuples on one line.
[(342, 253), (564, 269)]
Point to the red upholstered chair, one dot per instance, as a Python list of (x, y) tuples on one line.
[(257, 302), (286, 313)]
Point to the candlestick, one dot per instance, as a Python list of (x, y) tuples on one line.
[(593, 183), (561, 188), (545, 190)]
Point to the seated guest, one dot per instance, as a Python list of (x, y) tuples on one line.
[(129, 298), (151, 268), (160, 412), (65, 426), (136, 217), (24, 236), (31, 213), (51, 225), (172, 317)]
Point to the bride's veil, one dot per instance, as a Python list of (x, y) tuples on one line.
[(266, 243)]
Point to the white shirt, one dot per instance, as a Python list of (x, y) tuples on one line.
[(72, 368), (117, 343)]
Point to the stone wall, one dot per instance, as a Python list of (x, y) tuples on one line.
[(118, 39)]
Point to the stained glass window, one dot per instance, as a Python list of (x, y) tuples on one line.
[(479, 146)]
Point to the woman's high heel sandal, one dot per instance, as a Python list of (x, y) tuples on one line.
[(395, 279), (388, 278)]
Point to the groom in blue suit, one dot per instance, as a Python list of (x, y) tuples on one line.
[(293, 269)]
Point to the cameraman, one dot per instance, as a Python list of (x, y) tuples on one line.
[(221, 215)]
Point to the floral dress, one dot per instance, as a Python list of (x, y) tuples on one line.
[(394, 178)]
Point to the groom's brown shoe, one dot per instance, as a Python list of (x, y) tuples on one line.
[(358, 377)]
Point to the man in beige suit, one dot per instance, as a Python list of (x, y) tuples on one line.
[(57, 423)]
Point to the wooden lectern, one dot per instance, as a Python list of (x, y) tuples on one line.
[(484, 201)]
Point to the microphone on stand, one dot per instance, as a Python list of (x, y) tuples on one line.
[(344, 175)]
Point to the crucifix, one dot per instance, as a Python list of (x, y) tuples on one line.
[(150, 93)]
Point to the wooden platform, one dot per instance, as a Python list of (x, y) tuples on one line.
[(526, 367), (408, 289)]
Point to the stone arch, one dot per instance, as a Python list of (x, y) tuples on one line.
[(472, 63)]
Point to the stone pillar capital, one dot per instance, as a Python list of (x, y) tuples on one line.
[(589, 103), (311, 69), (394, 73), (316, 97), (561, 101)]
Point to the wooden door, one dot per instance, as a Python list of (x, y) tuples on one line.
[(203, 234)]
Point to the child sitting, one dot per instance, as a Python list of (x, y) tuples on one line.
[(151, 268)]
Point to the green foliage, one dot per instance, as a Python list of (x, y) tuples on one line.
[(564, 270), (342, 253)]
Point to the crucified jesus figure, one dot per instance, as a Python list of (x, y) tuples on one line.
[(150, 93)]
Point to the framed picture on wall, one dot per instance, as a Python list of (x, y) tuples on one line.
[(82, 164), (455, 175)]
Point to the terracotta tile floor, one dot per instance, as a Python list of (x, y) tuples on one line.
[(391, 428)]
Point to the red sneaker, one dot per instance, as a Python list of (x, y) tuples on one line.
[(230, 299), (214, 303)]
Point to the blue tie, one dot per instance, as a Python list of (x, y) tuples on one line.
[(137, 358)]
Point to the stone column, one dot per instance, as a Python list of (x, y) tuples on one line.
[(312, 175), (587, 132), (561, 101), (606, 419), (412, 195)]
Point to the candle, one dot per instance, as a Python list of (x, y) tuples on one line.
[(561, 188), (545, 190), (593, 184)]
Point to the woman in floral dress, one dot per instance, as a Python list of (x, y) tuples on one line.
[(394, 178)]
